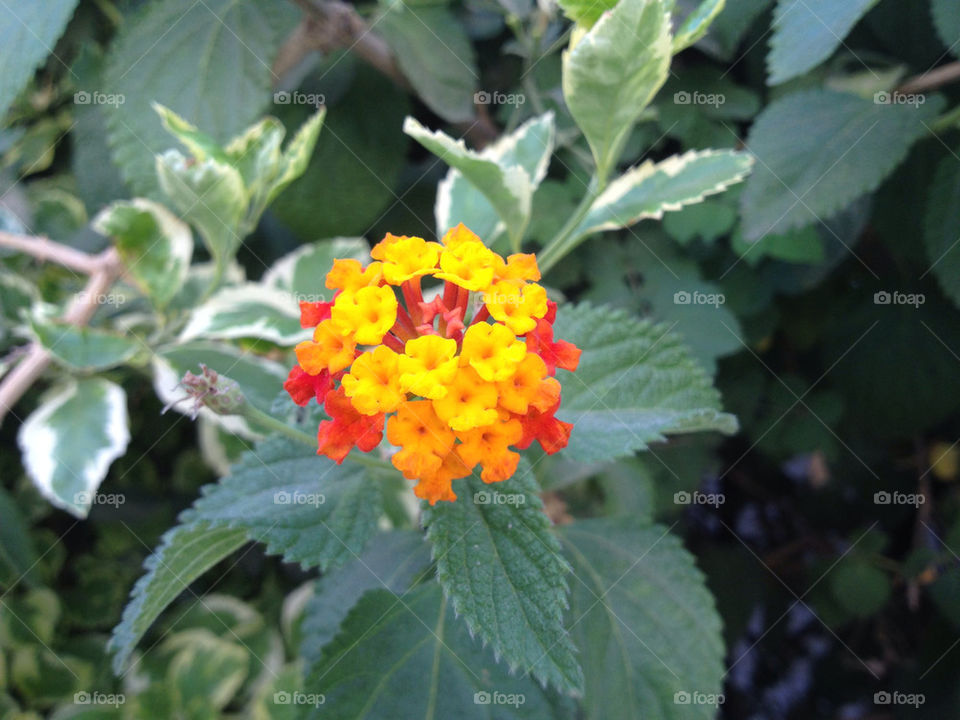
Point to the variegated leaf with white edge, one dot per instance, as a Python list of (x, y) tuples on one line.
[(651, 189), (696, 24), (154, 244), (251, 310), (84, 348), (612, 72), (70, 440), (509, 190), (301, 272), (530, 146)]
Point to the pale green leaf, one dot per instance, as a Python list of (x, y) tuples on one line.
[(210, 195), (946, 19), (299, 504), (806, 32), (295, 156), (413, 649), (184, 554), (636, 383), (251, 310), (458, 201), (205, 675), (212, 68), (70, 440), (29, 30), (302, 272), (942, 227), (646, 627), (155, 246), (499, 563), (612, 73), (509, 190), (841, 147), (696, 24), (85, 348), (434, 54)]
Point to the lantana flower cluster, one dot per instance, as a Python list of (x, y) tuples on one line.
[(459, 392)]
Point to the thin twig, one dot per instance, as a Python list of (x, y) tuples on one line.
[(103, 269), (943, 75)]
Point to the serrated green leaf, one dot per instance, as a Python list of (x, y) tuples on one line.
[(946, 19), (393, 562), (644, 623), (530, 146), (414, 648), (841, 147), (251, 310), (612, 73), (942, 227), (636, 383), (696, 24), (153, 243), (509, 190), (212, 68), (84, 348), (434, 54), (806, 32), (184, 554), (70, 440), (28, 32), (499, 563), (305, 507)]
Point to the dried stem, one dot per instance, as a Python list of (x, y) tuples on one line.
[(103, 269)]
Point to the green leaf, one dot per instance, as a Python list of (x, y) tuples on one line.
[(946, 19), (806, 32), (212, 67), (302, 506), (841, 147), (650, 189), (206, 674), (293, 160), (18, 554), (28, 32), (635, 384), (84, 348), (412, 650), (70, 440), (860, 588), (530, 146), (251, 310), (393, 562), (696, 24), (499, 563), (210, 195), (508, 189), (644, 623), (154, 245), (434, 54), (796, 246), (302, 271), (184, 554), (584, 12), (942, 227), (725, 34), (612, 73)]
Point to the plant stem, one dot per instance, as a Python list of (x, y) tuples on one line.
[(947, 121), (566, 240)]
